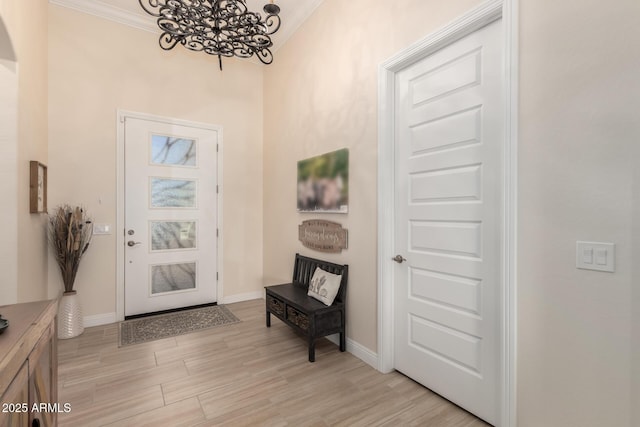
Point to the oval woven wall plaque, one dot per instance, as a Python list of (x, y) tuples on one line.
[(323, 236)]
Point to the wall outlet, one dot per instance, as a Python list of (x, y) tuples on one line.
[(595, 256)]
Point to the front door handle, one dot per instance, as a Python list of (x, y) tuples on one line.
[(399, 259), (131, 243)]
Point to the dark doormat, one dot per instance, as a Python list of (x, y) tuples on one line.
[(152, 328)]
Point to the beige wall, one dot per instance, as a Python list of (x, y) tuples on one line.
[(96, 67), (577, 129), (26, 23), (321, 95)]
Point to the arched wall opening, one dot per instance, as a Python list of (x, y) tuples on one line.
[(8, 167)]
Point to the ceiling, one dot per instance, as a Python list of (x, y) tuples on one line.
[(129, 12)]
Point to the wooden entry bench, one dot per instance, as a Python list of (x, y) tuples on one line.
[(289, 302)]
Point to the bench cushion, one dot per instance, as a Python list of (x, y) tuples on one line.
[(324, 286)]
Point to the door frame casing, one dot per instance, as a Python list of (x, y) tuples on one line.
[(468, 23), (120, 198)]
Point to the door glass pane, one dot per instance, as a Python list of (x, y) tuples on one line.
[(166, 150), (173, 277), (173, 193), (173, 235)]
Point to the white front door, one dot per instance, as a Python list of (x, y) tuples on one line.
[(449, 221), (170, 216)]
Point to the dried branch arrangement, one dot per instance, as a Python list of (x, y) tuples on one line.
[(70, 231)]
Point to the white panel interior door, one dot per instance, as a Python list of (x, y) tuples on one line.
[(170, 216), (449, 221)]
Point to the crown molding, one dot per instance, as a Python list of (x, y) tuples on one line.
[(109, 12), (297, 19), (142, 22)]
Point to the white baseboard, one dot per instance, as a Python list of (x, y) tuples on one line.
[(99, 319), (358, 350), (107, 318), (353, 347), (242, 297)]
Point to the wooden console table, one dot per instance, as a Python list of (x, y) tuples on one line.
[(29, 365)]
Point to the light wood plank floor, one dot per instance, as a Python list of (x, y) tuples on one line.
[(242, 374)]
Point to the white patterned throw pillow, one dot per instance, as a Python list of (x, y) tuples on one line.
[(324, 286)]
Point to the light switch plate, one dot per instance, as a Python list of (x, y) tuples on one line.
[(595, 256), (101, 229)]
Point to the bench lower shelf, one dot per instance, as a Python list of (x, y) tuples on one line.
[(290, 303)]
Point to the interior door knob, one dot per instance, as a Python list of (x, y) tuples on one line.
[(399, 259), (132, 243)]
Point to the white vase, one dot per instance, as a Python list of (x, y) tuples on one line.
[(70, 320)]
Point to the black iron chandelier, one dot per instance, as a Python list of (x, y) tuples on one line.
[(217, 27)]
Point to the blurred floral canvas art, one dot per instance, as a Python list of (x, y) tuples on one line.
[(323, 183)]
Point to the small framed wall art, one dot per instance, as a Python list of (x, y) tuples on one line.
[(37, 187)]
